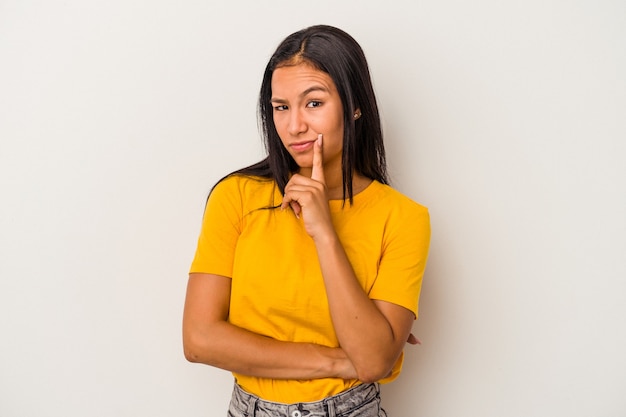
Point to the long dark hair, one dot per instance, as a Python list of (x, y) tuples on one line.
[(336, 53)]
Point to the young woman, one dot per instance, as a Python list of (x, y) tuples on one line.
[(308, 270)]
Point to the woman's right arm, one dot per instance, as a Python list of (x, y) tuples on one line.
[(210, 339)]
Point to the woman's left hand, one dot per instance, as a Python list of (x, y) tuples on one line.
[(308, 197)]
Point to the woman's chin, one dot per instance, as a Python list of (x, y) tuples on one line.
[(303, 161)]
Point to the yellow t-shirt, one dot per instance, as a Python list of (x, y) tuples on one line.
[(277, 286)]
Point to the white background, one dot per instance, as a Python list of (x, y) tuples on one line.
[(505, 118)]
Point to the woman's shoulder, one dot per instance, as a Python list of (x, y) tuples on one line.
[(245, 181), (401, 213), (248, 188), (393, 198)]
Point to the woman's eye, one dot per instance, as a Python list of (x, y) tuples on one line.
[(314, 103), (280, 108)]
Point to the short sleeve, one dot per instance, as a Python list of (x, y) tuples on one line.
[(221, 227), (403, 258)]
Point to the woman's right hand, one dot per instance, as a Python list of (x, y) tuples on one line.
[(412, 340), (342, 366)]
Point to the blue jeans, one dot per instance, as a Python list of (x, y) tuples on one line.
[(360, 401)]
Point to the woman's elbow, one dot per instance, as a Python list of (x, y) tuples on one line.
[(191, 355), (373, 372), (192, 349)]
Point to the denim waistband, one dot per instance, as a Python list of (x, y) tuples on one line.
[(342, 403)]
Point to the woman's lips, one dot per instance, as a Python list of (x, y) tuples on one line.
[(302, 146)]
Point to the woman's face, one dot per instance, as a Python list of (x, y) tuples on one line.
[(306, 103)]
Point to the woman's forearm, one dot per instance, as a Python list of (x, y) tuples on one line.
[(210, 339), (372, 340), (228, 347)]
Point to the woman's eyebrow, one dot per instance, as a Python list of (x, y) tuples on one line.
[(314, 88), (303, 94)]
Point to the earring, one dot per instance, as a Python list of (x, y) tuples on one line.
[(357, 114)]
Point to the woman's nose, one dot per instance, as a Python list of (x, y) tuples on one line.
[(297, 123)]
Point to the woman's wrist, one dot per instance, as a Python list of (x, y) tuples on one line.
[(335, 363), (327, 238)]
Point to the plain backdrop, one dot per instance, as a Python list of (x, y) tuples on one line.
[(505, 118)]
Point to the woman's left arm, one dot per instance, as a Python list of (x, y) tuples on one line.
[(371, 332)]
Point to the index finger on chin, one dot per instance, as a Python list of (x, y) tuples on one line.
[(317, 171)]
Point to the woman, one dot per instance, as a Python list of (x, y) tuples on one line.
[(308, 270)]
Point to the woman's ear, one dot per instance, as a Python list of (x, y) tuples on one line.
[(357, 113)]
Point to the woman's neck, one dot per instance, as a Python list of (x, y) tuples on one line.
[(335, 190)]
